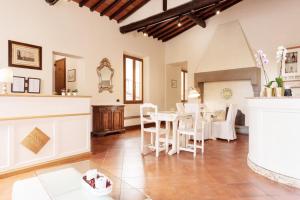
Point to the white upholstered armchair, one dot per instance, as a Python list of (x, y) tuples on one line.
[(225, 129)]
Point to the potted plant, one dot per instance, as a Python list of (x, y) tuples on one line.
[(281, 57), (75, 92), (279, 88), (261, 61), (269, 89)]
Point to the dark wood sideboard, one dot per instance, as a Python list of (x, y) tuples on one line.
[(108, 119)]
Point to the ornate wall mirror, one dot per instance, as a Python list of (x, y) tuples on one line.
[(105, 74)]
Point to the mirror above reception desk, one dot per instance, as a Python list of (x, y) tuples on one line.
[(26, 119)]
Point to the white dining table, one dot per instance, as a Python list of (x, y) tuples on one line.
[(170, 117)]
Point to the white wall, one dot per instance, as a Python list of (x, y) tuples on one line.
[(70, 29), (266, 25)]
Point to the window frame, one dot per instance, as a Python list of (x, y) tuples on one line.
[(133, 101), (184, 100)]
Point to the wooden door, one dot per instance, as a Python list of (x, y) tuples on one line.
[(60, 75), (118, 119), (105, 123)]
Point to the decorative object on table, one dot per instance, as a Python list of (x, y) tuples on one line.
[(288, 92), (105, 74), (173, 83), (69, 92), (279, 89), (24, 55), (34, 85), (72, 75), (6, 77), (226, 93), (97, 183), (261, 61), (63, 92), (18, 85), (74, 92), (35, 140), (291, 66)]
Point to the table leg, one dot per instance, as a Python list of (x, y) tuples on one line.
[(167, 136), (174, 140)]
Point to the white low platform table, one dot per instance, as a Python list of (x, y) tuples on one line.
[(65, 183)]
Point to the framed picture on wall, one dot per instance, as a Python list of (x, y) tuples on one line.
[(34, 85), (291, 66), (173, 83), (18, 85), (72, 75), (24, 55)]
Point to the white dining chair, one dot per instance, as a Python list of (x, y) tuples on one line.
[(196, 131), (155, 132), (180, 107), (226, 129)]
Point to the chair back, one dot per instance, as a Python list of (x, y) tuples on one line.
[(180, 108), (144, 111), (231, 115)]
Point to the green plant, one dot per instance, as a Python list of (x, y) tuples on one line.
[(269, 84), (279, 81)]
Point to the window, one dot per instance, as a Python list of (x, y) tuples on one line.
[(183, 87), (133, 80)]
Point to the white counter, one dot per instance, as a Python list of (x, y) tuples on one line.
[(65, 120), (274, 138)]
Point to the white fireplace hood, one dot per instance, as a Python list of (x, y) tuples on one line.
[(228, 49)]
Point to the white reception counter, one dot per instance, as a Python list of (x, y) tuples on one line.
[(274, 138), (65, 120)]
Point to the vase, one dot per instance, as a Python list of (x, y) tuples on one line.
[(268, 92), (278, 91)]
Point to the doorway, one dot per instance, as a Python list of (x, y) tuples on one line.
[(60, 75), (176, 84), (68, 74)]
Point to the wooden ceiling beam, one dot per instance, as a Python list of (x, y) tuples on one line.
[(133, 10), (157, 27), (165, 5), (175, 28), (178, 32), (108, 8), (96, 5), (205, 15), (171, 13), (121, 9), (82, 2), (170, 27), (197, 20)]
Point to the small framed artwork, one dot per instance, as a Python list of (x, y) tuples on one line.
[(34, 85), (24, 55), (291, 66), (72, 75), (173, 83), (18, 85)]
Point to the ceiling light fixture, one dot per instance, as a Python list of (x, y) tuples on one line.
[(145, 34), (179, 22), (218, 12)]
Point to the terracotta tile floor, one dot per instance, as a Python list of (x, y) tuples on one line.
[(222, 173)]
